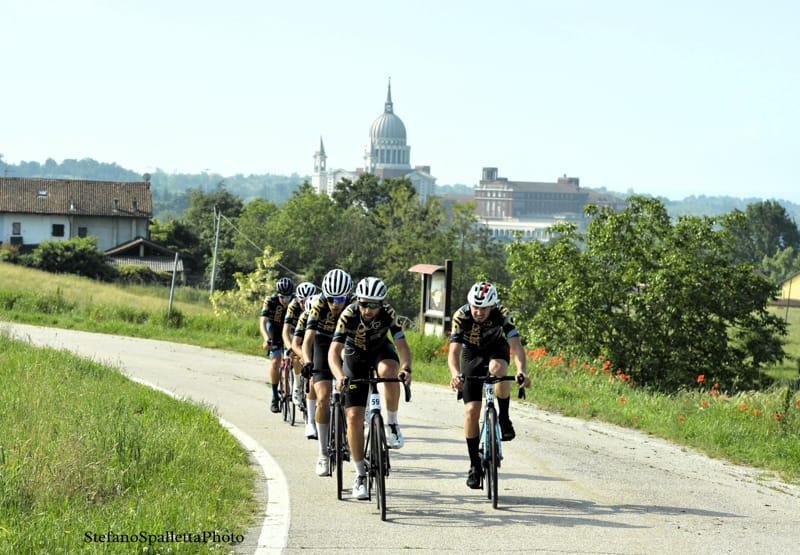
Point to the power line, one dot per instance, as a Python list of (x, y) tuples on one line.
[(259, 249)]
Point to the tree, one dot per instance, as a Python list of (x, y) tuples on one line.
[(78, 255), (764, 230), (664, 301)]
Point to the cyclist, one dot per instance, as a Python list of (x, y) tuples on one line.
[(273, 312), (321, 324), (293, 312), (362, 335), (481, 336), (297, 348)]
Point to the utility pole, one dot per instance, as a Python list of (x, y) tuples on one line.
[(218, 215)]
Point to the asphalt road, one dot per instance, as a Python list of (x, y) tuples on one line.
[(566, 485)]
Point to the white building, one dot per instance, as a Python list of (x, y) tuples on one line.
[(387, 155)]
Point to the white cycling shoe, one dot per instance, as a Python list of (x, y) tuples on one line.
[(360, 488), (394, 437), (323, 466)]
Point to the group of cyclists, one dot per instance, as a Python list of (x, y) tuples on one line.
[(342, 333)]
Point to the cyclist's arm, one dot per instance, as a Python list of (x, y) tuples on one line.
[(520, 361), (404, 353), (308, 346), (288, 332), (454, 364), (335, 360), (297, 346), (262, 325)]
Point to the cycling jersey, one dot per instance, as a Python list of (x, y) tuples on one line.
[(293, 312), (358, 335), (274, 312), (481, 336)]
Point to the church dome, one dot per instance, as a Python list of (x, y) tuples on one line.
[(388, 128)]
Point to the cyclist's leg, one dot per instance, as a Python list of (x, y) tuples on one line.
[(473, 364), (388, 365), (322, 385), (275, 360), (355, 402), (498, 365), (311, 409)]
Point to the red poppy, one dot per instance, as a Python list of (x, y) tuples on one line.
[(701, 378)]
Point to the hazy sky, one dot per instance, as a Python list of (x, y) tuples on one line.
[(669, 98)]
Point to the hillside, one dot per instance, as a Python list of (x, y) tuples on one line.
[(170, 191)]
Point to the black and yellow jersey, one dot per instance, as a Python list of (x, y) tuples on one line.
[(293, 312), (474, 335), (322, 319), (364, 336), (273, 310), (300, 327)]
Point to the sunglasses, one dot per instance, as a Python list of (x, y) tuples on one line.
[(369, 304), (286, 297), (342, 299)]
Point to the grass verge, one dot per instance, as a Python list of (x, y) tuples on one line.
[(85, 452)]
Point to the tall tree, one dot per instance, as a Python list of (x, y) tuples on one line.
[(665, 302)]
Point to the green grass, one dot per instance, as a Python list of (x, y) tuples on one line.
[(83, 450), (743, 428)]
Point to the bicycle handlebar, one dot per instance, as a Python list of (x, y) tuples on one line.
[(491, 379), (373, 380)]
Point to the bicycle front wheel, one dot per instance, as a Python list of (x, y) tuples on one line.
[(492, 452), (340, 440), (379, 461)]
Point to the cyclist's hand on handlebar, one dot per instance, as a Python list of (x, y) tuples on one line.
[(523, 380), (405, 376), (457, 383), (343, 384), (307, 370)]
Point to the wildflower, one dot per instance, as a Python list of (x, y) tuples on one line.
[(704, 402), (635, 418), (743, 406), (701, 378), (777, 416), (623, 400), (592, 370), (681, 418), (756, 412), (716, 385), (797, 404)]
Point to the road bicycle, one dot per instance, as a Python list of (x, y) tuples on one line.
[(338, 449), (376, 450), (491, 437), (285, 389)]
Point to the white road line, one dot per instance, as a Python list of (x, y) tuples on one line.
[(275, 527)]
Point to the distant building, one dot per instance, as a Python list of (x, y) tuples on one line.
[(528, 208), (387, 156), (33, 210)]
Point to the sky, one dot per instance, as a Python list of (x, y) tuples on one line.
[(667, 98)]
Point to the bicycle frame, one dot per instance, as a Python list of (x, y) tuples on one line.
[(376, 450)]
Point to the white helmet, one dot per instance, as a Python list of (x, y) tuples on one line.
[(371, 289), (337, 283), (482, 294), (305, 290), (311, 301)]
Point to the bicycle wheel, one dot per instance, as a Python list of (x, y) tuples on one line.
[(285, 390), (492, 455), (290, 397), (340, 440), (379, 463)]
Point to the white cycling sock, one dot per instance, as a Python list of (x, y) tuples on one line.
[(322, 434), (311, 406), (361, 468), (391, 417)]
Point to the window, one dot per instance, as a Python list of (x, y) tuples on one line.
[(58, 230), (16, 228), (82, 232)]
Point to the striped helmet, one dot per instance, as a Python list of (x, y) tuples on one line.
[(482, 294), (305, 290), (284, 286), (371, 289), (337, 283)]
